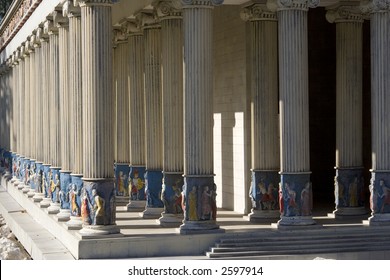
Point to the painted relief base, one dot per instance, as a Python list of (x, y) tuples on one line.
[(264, 195), (76, 186), (98, 208), (122, 171), (380, 198), (172, 198), (295, 199), (136, 184), (349, 192), (199, 205), (153, 189)]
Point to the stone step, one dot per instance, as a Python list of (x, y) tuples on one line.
[(305, 251)]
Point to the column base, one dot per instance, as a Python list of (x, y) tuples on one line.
[(98, 231), (63, 215), (298, 221), (21, 186), (257, 216), (378, 220), (199, 227), (348, 212), (349, 188), (14, 180), (45, 203), (136, 206), (38, 197), (151, 213), (54, 208), (26, 189), (170, 220), (31, 193), (75, 223)]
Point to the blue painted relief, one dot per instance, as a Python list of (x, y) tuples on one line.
[(199, 199), (46, 175), (349, 188), (76, 188), (295, 195), (136, 183), (153, 188), (380, 192), (121, 179), (65, 188), (54, 185), (98, 203), (264, 190), (171, 194), (6, 160)]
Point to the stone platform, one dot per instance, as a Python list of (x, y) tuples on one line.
[(46, 238)]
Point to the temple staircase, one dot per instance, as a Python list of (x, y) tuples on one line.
[(356, 242)]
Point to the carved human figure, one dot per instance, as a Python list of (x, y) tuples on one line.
[(121, 184), (192, 201), (353, 193), (385, 195), (55, 188), (74, 204), (98, 208), (306, 200), (136, 186), (39, 182), (177, 198), (85, 208), (206, 204)]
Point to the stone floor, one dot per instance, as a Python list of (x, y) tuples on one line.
[(45, 238)]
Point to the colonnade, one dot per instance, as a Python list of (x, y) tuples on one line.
[(80, 95)]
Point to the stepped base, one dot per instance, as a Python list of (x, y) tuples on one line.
[(151, 213)]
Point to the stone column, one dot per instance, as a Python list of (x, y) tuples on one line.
[(153, 114), (15, 116), (137, 201), (122, 112), (54, 117), (21, 103), (295, 188), (380, 117), (99, 192), (76, 111), (45, 100), (62, 23), (38, 107), (264, 115), (349, 183), (172, 111), (199, 189)]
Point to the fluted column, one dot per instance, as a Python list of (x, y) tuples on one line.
[(349, 183), (199, 188), (295, 188), (15, 116), (62, 23), (96, 24), (264, 111), (122, 112), (21, 103), (45, 101), (380, 118), (137, 201), (153, 113), (76, 110), (170, 15), (54, 116)]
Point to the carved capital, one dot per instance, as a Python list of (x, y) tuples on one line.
[(257, 12), (35, 41), (375, 6), (69, 9), (49, 28), (197, 3), (148, 19), (83, 3), (167, 9), (59, 20), (344, 14), (120, 34), (277, 5), (41, 35), (28, 47), (133, 27)]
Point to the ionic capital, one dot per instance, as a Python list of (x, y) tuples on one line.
[(133, 27), (35, 41), (277, 5), (49, 28), (28, 47), (83, 3), (168, 9), (258, 12), (59, 20), (120, 34), (41, 35), (148, 19), (69, 9), (202, 3), (375, 6)]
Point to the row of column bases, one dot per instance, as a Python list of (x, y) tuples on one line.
[(92, 197)]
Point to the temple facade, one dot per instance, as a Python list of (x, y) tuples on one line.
[(179, 108)]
